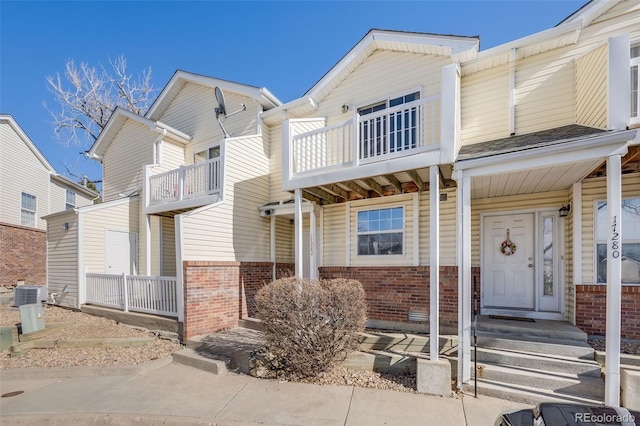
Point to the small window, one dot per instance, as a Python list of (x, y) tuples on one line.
[(381, 231), (630, 223), (28, 210), (207, 154), (71, 200), (635, 83)]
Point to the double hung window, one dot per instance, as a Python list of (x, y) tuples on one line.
[(28, 210), (635, 83), (70, 199), (381, 231), (387, 127)]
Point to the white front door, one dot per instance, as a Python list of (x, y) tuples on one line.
[(120, 252), (508, 262)]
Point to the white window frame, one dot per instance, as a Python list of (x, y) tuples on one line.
[(208, 153), (28, 211), (391, 231), (597, 242), (70, 205)]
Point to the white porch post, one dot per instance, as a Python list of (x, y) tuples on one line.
[(298, 233), (272, 243), (147, 245), (313, 252), (434, 261), (464, 278), (614, 280)]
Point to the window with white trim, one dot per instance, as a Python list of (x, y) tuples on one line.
[(381, 231), (386, 133), (635, 83), (630, 241), (70, 200), (207, 154), (28, 210)]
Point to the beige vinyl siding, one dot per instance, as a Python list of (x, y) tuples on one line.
[(275, 163), (62, 256), (594, 190), (448, 224), (591, 88), (569, 287), (58, 195), (484, 105), (168, 247), (21, 171), (234, 230), (544, 92), (96, 222), (124, 161), (516, 203), (285, 243), (172, 156), (334, 234)]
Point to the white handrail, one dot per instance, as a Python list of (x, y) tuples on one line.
[(186, 182)]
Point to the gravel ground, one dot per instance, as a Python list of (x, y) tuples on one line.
[(83, 326), (631, 347)]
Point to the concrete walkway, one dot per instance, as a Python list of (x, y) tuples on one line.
[(163, 392)]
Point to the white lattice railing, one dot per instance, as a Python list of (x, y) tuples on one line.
[(186, 182), (149, 294), (405, 129)]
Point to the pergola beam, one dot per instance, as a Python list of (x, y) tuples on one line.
[(354, 187), (375, 186), (322, 194), (393, 181), (415, 177)]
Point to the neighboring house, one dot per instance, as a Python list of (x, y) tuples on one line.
[(30, 188), (417, 159)]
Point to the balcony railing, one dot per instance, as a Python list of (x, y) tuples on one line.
[(149, 294), (402, 130), (187, 182)]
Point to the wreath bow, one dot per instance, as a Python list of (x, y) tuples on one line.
[(508, 247)]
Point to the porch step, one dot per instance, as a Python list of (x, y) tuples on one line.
[(194, 359), (526, 394), (548, 362), (536, 344), (561, 383), (236, 347), (405, 342), (560, 331)]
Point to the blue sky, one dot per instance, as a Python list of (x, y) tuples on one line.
[(285, 46)]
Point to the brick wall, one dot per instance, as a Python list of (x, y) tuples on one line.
[(394, 291), (217, 294), (23, 255), (591, 310)]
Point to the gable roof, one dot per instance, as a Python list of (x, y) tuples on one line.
[(458, 48), (260, 94), (36, 152), (118, 119)]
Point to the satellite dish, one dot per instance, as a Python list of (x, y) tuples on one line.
[(221, 109)]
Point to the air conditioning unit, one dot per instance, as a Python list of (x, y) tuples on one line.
[(29, 294)]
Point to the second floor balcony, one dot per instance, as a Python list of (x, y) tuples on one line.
[(185, 187), (388, 140)]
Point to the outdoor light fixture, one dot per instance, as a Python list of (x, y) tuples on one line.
[(345, 108), (565, 210), (65, 226)]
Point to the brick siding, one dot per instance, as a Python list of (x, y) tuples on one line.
[(217, 294), (591, 310), (23, 255), (393, 291)]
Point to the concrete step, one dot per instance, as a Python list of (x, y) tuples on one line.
[(406, 342), (193, 359), (525, 394), (538, 361), (536, 344), (558, 382), (560, 330)]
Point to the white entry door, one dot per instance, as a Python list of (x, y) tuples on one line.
[(120, 252), (508, 261)]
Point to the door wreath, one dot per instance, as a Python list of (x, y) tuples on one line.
[(508, 247)]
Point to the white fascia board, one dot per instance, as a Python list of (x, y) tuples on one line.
[(173, 133), (531, 39), (285, 111), (105, 135), (570, 152), (287, 209), (108, 204), (590, 11), (62, 213)]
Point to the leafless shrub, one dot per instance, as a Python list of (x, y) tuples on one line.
[(310, 325)]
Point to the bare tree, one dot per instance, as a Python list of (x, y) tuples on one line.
[(87, 96)]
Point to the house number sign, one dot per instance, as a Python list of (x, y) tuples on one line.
[(615, 238)]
